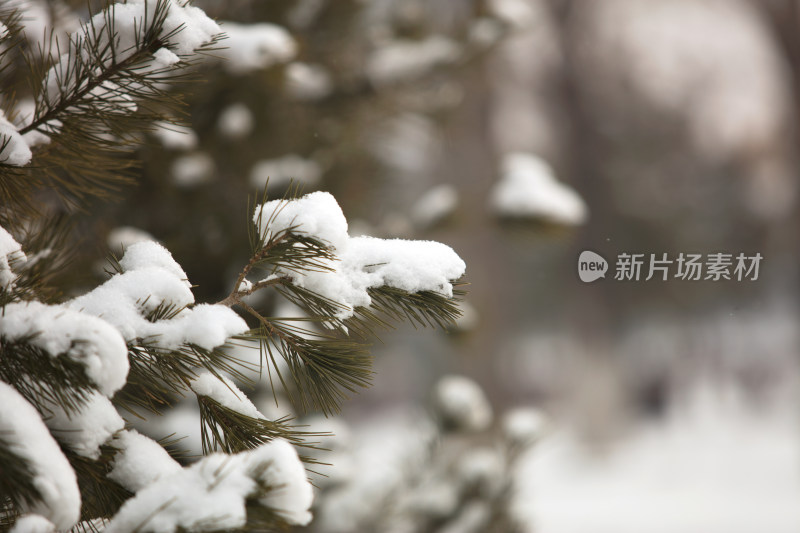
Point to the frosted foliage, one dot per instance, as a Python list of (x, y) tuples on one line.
[(387, 455), (185, 29), (528, 188), (193, 169), (291, 494), (226, 393), (405, 60), (165, 58), (14, 150), (316, 215), (308, 82), (523, 425), (11, 254), (519, 13), (434, 205), (481, 467), (53, 477), (175, 136), (250, 47), (151, 254), (85, 430), (211, 494), (24, 113), (236, 121), (61, 331), (282, 171), (140, 461), (152, 278), (462, 403), (33, 524), (363, 262), (121, 238), (409, 143)]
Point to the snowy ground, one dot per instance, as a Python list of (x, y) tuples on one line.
[(715, 465)]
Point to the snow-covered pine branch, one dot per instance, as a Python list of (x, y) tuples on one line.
[(350, 285), (95, 92), (75, 372)]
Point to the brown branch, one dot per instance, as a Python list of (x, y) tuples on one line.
[(236, 295)]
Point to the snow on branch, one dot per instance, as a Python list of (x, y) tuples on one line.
[(11, 254), (148, 303), (212, 494), (528, 188), (63, 332), (358, 263), (56, 496)]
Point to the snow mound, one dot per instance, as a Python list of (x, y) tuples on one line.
[(528, 188)]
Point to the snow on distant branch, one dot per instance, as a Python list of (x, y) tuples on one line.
[(528, 188), (250, 47)]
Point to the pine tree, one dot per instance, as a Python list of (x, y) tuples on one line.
[(71, 368)]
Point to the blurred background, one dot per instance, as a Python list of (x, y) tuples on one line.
[(522, 132)]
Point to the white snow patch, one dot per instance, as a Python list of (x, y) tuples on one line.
[(33, 523), (27, 437), (150, 278), (308, 82), (185, 29), (140, 461), (528, 188), (461, 402), (84, 431), (192, 169), (61, 331), (14, 150), (121, 238), (406, 60), (523, 425), (236, 121), (282, 171), (252, 47), (11, 255), (175, 136), (225, 393), (214, 490), (434, 206)]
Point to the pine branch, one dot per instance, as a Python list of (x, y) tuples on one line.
[(424, 308), (322, 369), (43, 379), (48, 256), (101, 496), (157, 377), (226, 430), (94, 102)]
